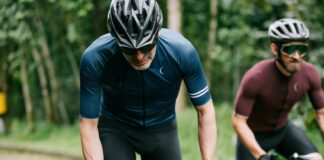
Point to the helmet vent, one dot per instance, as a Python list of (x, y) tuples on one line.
[(297, 28), (280, 30), (288, 27), (302, 27), (274, 33)]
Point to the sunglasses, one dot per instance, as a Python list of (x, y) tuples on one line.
[(291, 49), (132, 51)]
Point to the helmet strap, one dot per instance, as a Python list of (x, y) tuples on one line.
[(279, 59)]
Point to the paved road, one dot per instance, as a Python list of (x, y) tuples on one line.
[(14, 155), (8, 155)]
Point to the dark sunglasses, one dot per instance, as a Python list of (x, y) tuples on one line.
[(290, 49), (132, 51)]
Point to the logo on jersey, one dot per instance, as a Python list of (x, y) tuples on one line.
[(296, 87), (161, 70)]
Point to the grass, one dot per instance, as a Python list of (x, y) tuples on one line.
[(48, 138), (187, 123), (66, 139)]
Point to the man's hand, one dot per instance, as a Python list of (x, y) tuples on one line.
[(320, 119), (265, 157)]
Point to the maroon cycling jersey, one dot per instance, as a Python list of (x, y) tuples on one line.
[(266, 96)]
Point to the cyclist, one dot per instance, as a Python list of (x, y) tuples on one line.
[(269, 90), (130, 79)]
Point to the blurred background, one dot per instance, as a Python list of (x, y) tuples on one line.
[(42, 41)]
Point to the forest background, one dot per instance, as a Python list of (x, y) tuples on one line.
[(42, 41)]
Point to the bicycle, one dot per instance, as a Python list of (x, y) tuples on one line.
[(294, 156)]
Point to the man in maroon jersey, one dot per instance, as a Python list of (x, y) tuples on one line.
[(269, 90)]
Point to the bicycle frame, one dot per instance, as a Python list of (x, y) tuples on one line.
[(295, 156)]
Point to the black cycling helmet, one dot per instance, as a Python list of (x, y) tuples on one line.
[(135, 23), (288, 29)]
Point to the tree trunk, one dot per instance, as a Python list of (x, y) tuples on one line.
[(43, 83), (174, 23), (236, 73), (26, 94), (2, 74), (174, 15), (211, 40), (56, 100), (73, 64), (60, 112), (99, 13)]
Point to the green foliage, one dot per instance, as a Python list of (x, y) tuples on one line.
[(70, 26), (22, 28)]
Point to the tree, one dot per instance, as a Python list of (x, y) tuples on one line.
[(43, 83), (211, 40), (26, 94), (174, 23)]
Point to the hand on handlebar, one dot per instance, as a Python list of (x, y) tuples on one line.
[(265, 157)]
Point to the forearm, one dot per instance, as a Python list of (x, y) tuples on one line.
[(91, 145), (247, 137), (207, 131), (320, 119), (207, 138)]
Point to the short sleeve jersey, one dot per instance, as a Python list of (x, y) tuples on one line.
[(111, 87), (266, 96)]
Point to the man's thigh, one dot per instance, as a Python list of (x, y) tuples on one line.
[(115, 146), (295, 140), (114, 142), (266, 140), (166, 148)]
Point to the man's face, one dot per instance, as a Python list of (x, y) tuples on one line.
[(140, 60), (292, 55)]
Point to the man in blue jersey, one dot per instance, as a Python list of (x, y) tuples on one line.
[(130, 79)]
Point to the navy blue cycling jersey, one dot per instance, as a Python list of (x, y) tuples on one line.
[(144, 98)]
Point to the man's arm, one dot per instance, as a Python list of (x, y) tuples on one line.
[(91, 145), (246, 135), (320, 119), (207, 130)]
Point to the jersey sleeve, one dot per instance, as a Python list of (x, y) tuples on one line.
[(90, 86), (246, 95), (316, 95), (194, 77)]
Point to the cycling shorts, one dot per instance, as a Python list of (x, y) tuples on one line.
[(121, 141), (285, 141)]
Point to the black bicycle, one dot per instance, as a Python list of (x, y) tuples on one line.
[(295, 156)]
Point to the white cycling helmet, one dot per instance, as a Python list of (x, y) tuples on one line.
[(135, 23), (288, 29)]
